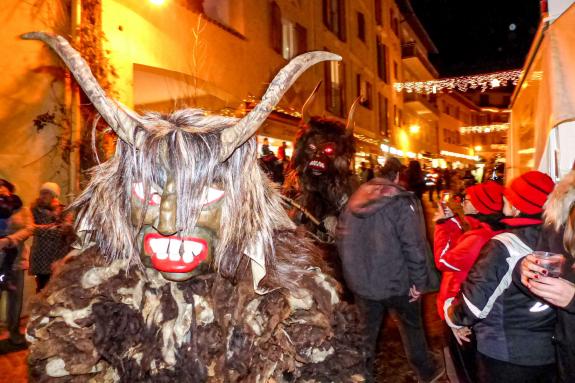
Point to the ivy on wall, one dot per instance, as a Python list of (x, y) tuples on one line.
[(95, 133)]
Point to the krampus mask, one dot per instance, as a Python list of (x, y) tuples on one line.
[(183, 192), (324, 149)]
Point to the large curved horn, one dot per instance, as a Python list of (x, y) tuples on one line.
[(236, 135), (349, 125), (307, 105), (119, 119)]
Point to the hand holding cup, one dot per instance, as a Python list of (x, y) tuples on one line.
[(541, 274)]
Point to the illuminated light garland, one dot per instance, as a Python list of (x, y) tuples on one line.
[(484, 128), (462, 83), (363, 138), (501, 147), (459, 155)]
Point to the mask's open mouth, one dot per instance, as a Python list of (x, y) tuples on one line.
[(317, 167), (169, 255)]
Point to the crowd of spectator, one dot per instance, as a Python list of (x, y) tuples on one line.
[(51, 231)]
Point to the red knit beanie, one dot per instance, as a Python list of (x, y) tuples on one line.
[(528, 192), (487, 197)]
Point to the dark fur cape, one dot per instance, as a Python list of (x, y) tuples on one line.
[(103, 322)]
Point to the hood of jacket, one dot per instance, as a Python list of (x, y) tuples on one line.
[(373, 195)]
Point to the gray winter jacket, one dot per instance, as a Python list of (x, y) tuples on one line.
[(382, 241)]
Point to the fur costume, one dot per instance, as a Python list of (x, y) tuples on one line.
[(320, 179), (189, 269), (560, 210)]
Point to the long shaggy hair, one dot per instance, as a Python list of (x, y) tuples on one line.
[(323, 194), (187, 143), (560, 210)]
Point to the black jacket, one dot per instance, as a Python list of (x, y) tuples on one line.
[(382, 242), (564, 338), (509, 325)]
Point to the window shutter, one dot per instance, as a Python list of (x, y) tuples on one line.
[(275, 27), (301, 39)]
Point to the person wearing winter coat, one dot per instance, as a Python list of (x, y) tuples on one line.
[(456, 251), (15, 228), (384, 253), (558, 237), (513, 330), (53, 233)]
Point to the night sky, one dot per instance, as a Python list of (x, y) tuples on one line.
[(477, 36)]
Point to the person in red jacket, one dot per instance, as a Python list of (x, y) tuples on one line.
[(455, 253)]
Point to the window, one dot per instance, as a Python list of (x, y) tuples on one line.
[(294, 39), (276, 27), (335, 87), (383, 115), (506, 101), (382, 61), (395, 71), (334, 17), (364, 91), (483, 100), (360, 26), (394, 23), (378, 13)]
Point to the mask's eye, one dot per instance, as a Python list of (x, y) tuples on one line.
[(329, 149), (312, 147), (138, 191), (213, 195)]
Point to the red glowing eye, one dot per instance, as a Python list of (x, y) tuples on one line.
[(328, 150)]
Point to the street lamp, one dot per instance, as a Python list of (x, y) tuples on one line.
[(414, 129)]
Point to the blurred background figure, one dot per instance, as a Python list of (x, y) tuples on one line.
[(53, 233), (14, 230), (282, 151), (415, 178), (265, 147)]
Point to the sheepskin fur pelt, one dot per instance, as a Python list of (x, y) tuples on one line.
[(560, 210), (104, 322), (320, 178)]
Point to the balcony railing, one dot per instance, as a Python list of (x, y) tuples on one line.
[(422, 99), (409, 50)]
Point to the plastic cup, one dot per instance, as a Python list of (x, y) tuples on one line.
[(552, 262)]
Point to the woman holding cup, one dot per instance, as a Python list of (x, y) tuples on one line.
[(549, 274)]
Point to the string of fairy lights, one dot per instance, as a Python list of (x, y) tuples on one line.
[(484, 128), (461, 83)]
